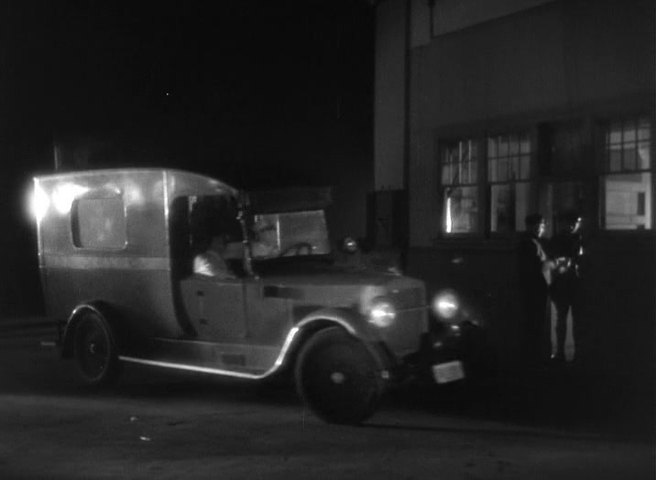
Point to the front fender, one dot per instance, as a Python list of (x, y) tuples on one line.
[(347, 319), (353, 323)]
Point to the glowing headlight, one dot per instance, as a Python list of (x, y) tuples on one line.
[(446, 305), (39, 203), (349, 245), (382, 314)]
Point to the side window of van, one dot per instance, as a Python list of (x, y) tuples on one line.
[(211, 216), (215, 230), (99, 223)]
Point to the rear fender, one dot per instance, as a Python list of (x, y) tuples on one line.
[(99, 308)]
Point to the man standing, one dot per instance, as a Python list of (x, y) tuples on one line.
[(534, 274), (566, 248)]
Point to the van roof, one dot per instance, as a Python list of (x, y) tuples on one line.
[(196, 179)]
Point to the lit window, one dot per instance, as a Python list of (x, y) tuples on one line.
[(459, 186), (627, 182), (509, 169)]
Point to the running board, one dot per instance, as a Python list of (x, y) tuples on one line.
[(199, 369), (220, 371)]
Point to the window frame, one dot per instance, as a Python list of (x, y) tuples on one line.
[(483, 218), (442, 144), (591, 173), (75, 223), (603, 128), (532, 181)]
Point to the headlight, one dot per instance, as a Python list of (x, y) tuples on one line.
[(349, 245), (446, 304), (382, 314)]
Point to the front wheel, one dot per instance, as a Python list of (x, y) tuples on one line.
[(95, 350), (337, 377)]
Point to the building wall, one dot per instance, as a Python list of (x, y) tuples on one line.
[(563, 56), (545, 67), (455, 15), (554, 62), (390, 95)]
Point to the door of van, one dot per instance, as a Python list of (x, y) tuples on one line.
[(215, 308)]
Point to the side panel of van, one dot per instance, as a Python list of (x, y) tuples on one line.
[(104, 238)]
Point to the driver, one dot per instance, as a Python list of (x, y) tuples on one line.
[(212, 262)]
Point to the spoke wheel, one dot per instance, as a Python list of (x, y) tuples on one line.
[(337, 378), (95, 351)]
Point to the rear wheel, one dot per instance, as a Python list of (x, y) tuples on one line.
[(95, 350), (337, 377)]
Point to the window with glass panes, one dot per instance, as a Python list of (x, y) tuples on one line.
[(509, 169), (460, 186), (627, 179)]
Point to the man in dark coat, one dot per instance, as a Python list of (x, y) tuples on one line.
[(533, 276)]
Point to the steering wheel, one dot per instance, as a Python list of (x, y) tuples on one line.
[(297, 248)]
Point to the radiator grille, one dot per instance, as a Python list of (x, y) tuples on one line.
[(408, 298)]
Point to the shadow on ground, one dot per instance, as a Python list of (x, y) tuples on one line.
[(558, 398)]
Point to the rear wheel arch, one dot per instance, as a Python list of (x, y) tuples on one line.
[(91, 341), (99, 308)]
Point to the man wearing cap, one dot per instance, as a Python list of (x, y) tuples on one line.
[(567, 249)]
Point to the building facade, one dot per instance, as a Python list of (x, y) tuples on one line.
[(486, 112)]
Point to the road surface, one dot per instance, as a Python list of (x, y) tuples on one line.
[(164, 425)]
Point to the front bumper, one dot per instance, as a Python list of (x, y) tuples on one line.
[(447, 349)]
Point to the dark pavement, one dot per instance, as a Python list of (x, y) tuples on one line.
[(160, 424), (560, 396)]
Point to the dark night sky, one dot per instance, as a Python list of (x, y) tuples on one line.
[(251, 90), (257, 93)]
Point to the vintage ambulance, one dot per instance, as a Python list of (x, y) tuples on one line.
[(116, 254)]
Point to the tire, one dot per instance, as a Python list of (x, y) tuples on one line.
[(95, 351), (338, 378)]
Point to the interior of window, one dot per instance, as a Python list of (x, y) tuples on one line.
[(563, 183), (459, 181), (628, 185), (212, 218), (509, 166)]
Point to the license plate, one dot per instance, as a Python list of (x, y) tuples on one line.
[(448, 372)]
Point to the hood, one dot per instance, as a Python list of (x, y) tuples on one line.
[(341, 288)]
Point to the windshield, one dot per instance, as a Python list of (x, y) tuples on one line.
[(289, 234)]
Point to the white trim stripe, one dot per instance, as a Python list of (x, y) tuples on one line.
[(92, 262), (218, 371)]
